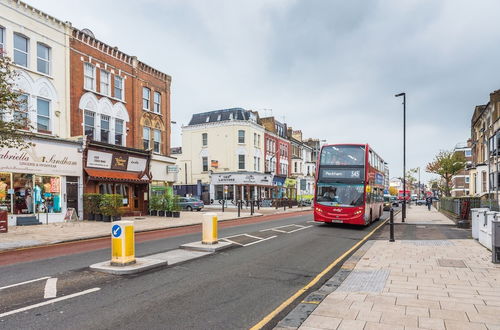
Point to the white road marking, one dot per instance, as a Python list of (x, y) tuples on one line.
[(262, 240), (48, 302), (233, 242), (50, 288), (26, 282), (293, 231), (253, 236), (281, 231)]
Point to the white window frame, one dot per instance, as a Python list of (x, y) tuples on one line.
[(43, 116), (239, 137), (148, 139), (86, 77), (93, 115), (48, 60), (24, 113), (117, 132), (157, 105), (204, 139), (26, 53), (156, 133), (203, 159), (106, 84), (122, 81), (103, 119), (146, 102)]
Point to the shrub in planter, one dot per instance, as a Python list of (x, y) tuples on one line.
[(91, 203), (167, 203), (155, 204), (110, 207), (176, 207)]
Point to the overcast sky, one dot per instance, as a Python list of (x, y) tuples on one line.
[(329, 68)]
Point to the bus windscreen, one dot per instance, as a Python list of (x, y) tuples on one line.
[(343, 155)]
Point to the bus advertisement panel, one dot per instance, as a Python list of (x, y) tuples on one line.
[(349, 185)]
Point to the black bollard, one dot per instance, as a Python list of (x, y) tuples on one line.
[(239, 207), (251, 208), (223, 202), (391, 226)]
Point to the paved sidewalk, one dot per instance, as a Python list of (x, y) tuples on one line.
[(419, 214), (408, 284), (27, 236)]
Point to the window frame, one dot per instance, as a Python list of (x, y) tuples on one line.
[(204, 139), (155, 104), (204, 164), (24, 113), (2, 40), (105, 73), (48, 117), (26, 53), (145, 100), (241, 161), (48, 60), (155, 142), (93, 115), (105, 118), (115, 88), (241, 138), (148, 140), (86, 77), (118, 132)]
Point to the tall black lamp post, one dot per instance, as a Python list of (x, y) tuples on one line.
[(404, 155)]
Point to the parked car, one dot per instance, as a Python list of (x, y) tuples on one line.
[(421, 202), (190, 203), (387, 203)]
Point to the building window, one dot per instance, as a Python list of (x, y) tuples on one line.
[(468, 153), (43, 58), (21, 113), (204, 139), (89, 123), (241, 162), (89, 76), (146, 136), (254, 163), (157, 102), (241, 136), (118, 132), (105, 128), (467, 180), (255, 139), (2, 40), (204, 161), (157, 141), (43, 115), (146, 93), (119, 87), (104, 83), (21, 50)]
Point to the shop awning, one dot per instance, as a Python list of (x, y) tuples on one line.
[(121, 176)]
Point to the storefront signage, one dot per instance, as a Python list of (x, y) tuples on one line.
[(214, 163), (172, 169), (328, 173), (136, 164), (379, 179), (99, 159), (119, 162), (51, 157), (237, 178)]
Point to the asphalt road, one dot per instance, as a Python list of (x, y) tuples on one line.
[(232, 289)]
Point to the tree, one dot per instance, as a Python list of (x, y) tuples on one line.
[(393, 191), (13, 133), (446, 164)]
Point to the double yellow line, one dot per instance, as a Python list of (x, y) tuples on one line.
[(318, 277)]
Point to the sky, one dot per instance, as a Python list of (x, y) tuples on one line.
[(328, 68)]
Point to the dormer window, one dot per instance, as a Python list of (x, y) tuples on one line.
[(208, 119)]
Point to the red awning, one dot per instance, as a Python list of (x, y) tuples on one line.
[(109, 175)]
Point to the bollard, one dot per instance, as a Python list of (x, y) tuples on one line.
[(258, 205), (284, 206), (403, 215), (209, 225), (223, 202), (391, 226), (122, 243), (251, 208), (238, 203)]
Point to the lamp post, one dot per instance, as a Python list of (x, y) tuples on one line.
[(403, 217)]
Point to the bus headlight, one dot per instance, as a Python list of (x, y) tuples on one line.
[(319, 210), (357, 212)]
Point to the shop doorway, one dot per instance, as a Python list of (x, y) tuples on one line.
[(72, 192)]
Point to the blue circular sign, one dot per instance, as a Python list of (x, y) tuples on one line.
[(116, 231)]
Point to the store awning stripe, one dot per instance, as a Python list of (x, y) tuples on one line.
[(109, 175)]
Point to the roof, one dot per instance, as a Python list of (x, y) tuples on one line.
[(109, 175), (222, 115)]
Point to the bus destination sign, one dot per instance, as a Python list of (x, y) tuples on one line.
[(341, 173)]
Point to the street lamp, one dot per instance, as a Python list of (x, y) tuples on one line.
[(403, 217)]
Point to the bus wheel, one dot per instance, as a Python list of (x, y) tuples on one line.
[(379, 213)]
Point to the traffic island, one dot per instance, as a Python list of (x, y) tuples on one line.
[(140, 265), (209, 239)]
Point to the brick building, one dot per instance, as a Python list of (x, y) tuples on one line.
[(460, 181), (122, 107)]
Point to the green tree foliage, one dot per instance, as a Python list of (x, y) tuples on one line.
[(13, 133), (446, 164)]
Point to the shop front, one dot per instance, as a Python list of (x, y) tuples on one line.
[(44, 179), (240, 186), (164, 173), (118, 170)]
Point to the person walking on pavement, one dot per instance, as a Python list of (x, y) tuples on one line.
[(428, 202)]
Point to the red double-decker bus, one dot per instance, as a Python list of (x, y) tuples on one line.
[(349, 185)]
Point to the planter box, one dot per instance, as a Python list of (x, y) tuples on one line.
[(176, 214), (98, 217), (168, 214), (106, 218)]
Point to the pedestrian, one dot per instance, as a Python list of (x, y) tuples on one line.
[(428, 202)]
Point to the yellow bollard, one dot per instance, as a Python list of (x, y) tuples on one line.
[(209, 235), (122, 243)]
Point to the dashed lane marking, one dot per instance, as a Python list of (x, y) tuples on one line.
[(48, 302), (50, 288), (26, 282)]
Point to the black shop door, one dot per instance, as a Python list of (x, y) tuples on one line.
[(72, 192)]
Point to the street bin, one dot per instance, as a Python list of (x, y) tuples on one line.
[(4, 222), (485, 229), (476, 220), (495, 240)]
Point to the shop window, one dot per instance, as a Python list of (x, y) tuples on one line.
[(43, 115), (47, 194), (122, 189), (119, 132), (5, 185), (24, 196), (105, 128), (89, 124), (106, 188)]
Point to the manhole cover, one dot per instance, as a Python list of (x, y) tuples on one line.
[(451, 263)]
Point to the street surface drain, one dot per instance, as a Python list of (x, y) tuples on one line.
[(451, 263)]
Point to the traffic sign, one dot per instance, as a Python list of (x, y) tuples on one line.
[(116, 231)]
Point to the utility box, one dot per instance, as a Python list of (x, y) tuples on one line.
[(495, 240), (477, 215), (122, 243), (4, 222)]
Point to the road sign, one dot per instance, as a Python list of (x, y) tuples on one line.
[(116, 231)]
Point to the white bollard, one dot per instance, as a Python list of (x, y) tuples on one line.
[(209, 234)]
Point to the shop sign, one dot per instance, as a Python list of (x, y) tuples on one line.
[(172, 169), (119, 162), (99, 159), (136, 164), (214, 163), (341, 173), (379, 179), (44, 157), (260, 179), (290, 182)]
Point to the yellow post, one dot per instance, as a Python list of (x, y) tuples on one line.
[(209, 225), (122, 243)]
